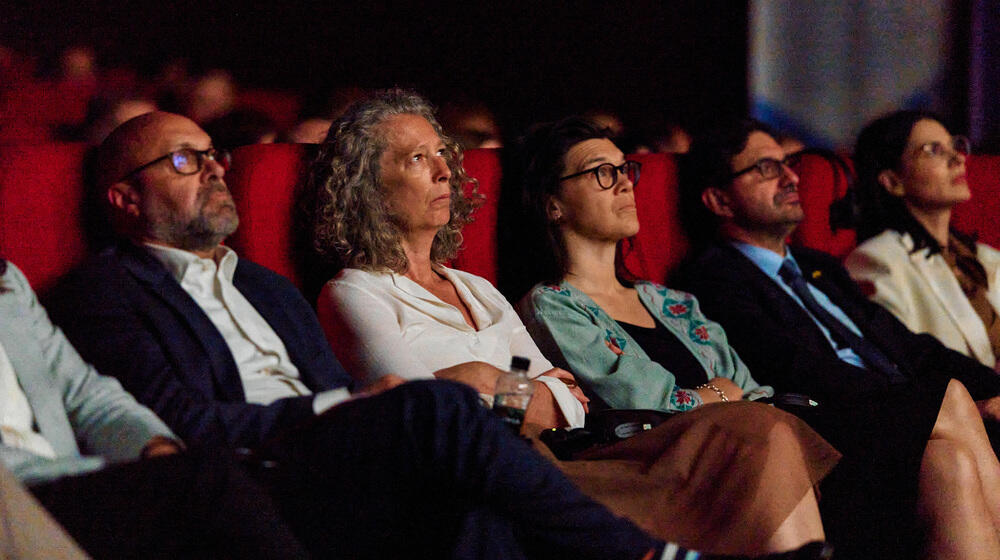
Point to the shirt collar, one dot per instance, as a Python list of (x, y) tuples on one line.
[(178, 261), (765, 259)]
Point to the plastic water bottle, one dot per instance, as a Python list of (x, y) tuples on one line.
[(513, 393)]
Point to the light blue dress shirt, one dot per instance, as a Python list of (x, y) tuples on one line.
[(770, 263)]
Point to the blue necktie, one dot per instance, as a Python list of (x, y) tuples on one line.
[(867, 351)]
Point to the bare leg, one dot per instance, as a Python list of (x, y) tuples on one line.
[(951, 502), (959, 421)]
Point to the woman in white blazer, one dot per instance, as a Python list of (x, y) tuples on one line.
[(910, 175)]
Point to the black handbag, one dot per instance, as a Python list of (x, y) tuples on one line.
[(601, 428), (616, 424)]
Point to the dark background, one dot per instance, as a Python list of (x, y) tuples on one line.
[(648, 61)]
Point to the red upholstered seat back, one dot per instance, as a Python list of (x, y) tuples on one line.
[(263, 180), (661, 243), (820, 183), (41, 223), (479, 239), (981, 214)]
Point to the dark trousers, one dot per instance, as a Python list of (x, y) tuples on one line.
[(179, 506), (425, 471)]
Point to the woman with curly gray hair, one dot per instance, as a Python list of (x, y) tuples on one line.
[(390, 202)]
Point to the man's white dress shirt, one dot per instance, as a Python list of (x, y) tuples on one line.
[(266, 371)]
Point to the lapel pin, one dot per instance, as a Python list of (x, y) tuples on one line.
[(816, 274)]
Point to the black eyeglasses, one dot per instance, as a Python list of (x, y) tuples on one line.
[(770, 168), (607, 173), (188, 161)]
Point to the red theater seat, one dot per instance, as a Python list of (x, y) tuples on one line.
[(41, 195), (263, 180), (820, 183), (660, 244), (479, 247)]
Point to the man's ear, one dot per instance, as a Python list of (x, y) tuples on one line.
[(891, 183), (717, 202), (553, 210), (123, 198)]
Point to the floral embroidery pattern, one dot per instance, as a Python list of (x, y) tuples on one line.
[(697, 331), (681, 399), (556, 289), (701, 332), (677, 309), (614, 343)]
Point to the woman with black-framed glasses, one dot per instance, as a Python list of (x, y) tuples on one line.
[(638, 345), (911, 174)]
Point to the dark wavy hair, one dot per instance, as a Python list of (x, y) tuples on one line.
[(868, 207), (709, 164), (536, 252), (351, 222)]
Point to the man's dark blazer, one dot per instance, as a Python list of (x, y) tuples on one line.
[(128, 316), (784, 348)]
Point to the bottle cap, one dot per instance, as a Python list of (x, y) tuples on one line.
[(520, 362)]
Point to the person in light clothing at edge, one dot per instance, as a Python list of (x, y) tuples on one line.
[(911, 174)]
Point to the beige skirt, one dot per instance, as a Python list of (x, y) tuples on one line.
[(720, 478)]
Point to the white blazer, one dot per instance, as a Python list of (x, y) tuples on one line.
[(923, 292)]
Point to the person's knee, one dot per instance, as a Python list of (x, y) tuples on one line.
[(957, 410), (950, 463), (958, 400)]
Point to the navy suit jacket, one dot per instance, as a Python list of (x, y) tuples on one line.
[(127, 315), (784, 348)]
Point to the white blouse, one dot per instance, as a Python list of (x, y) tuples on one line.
[(382, 323)]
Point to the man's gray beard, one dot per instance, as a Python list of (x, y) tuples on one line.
[(195, 235)]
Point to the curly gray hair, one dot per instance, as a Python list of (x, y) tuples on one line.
[(351, 220)]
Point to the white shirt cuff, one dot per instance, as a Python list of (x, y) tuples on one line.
[(328, 399), (571, 408)]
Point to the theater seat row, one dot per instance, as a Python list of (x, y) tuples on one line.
[(42, 223)]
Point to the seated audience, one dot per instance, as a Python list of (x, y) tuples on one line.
[(396, 308), (210, 96), (105, 466), (911, 173), (635, 344), (309, 131), (471, 124), (229, 354), (676, 140), (241, 127), (896, 404), (104, 113)]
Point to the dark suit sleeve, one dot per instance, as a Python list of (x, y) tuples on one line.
[(783, 347), (157, 358), (923, 354), (778, 354)]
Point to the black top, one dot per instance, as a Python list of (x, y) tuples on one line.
[(664, 348)]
